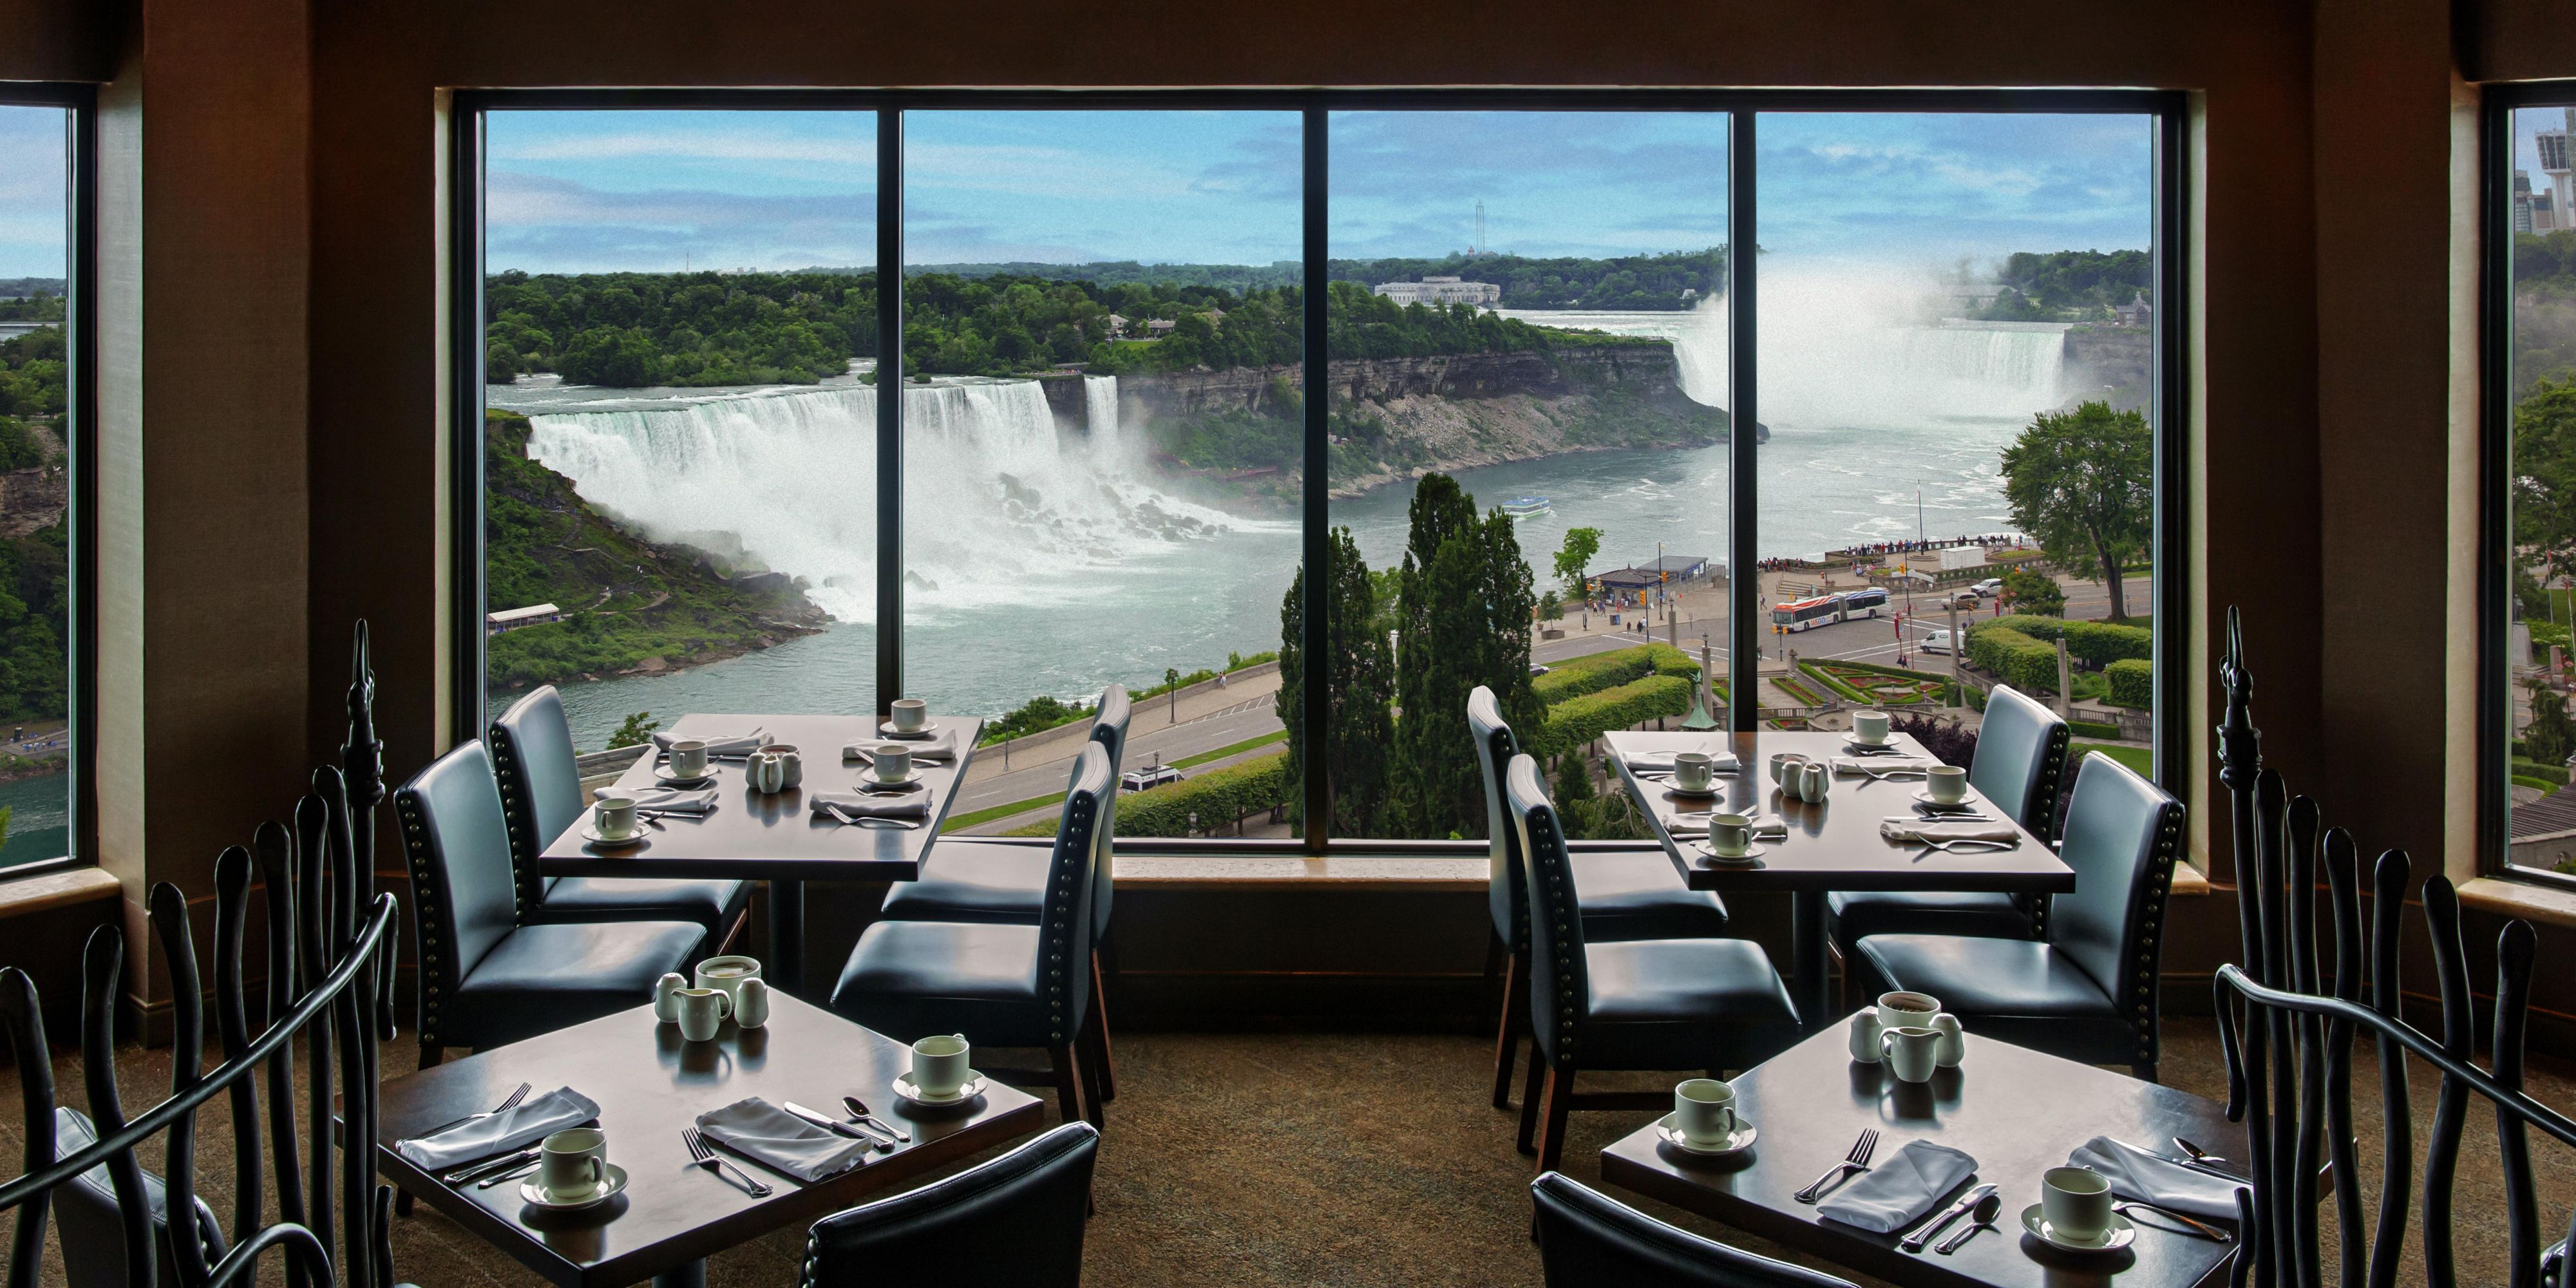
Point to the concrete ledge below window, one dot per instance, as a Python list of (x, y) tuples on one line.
[(2528, 900), (56, 890), (1175, 872)]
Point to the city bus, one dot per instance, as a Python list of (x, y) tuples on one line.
[(1825, 610)]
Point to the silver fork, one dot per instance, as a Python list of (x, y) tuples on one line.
[(1855, 1161), (1977, 846), (2208, 1231), (507, 1104), (706, 1155)]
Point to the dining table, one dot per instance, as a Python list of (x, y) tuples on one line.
[(650, 1083), (1833, 844), (776, 836), (2016, 1111)]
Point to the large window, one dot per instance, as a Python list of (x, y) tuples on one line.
[(1300, 415), (40, 439)]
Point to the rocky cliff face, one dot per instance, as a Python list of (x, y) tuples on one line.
[(2108, 363), (33, 499)]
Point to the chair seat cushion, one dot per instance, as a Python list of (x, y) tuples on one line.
[(1858, 914), (2001, 978), (1683, 1004), (1638, 894), (546, 977), (965, 880), (709, 905), (910, 979)]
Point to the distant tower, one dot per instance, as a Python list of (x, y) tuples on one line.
[(2552, 145), (1480, 210)]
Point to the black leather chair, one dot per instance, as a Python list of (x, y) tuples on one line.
[(1014, 1222), (1711, 1004), (93, 1234), (541, 796), (2021, 751), (976, 879), (2088, 991), (1632, 892), (485, 977), (1002, 984), (1587, 1239)]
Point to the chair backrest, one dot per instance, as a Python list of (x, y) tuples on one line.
[(1586, 1238), (2021, 754), (1016, 1220), (1109, 729), (1560, 994), (1064, 919), (463, 899), (2123, 835), (1506, 892), (94, 1230), (533, 757)]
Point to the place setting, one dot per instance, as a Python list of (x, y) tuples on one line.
[(1728, 838), (1685, 772), (809, 1145), (549, 1144), (1869, 735), (909, 722), (622, 819), (1704, 1122)]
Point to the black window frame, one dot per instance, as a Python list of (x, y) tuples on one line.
[(2167, 109), (2495, 475), (79, 102)]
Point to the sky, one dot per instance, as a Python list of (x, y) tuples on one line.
[(595, 190), (32, 192)]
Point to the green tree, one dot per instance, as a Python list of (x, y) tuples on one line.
[(1464, 621), (2034, 592), (635, 732), (1359, 680), (2083, 483), (2550, 738), (1582, 546), (2544, 473), (4, 824)]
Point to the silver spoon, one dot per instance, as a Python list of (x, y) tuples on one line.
[(2198, 1155), (1982, 1218), (859, 1112)]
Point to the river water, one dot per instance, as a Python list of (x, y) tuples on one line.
[(1041, 563)]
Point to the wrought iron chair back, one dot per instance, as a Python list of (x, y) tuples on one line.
[(2288, 1029)]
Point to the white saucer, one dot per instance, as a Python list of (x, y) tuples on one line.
[(590, 832), (2117, 1236), (871, 781), (663, 775), (614, 1185), (1742, 1139), (928, 727), (973, 1087), (1696, 794), (1968, 801), (1864, 748), (1751, 852)]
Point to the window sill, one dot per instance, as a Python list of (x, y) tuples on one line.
[(2527, 900), (1254, 871), (57, 890)]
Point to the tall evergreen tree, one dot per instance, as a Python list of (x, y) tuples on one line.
[(1360, 679), (1464, 621)]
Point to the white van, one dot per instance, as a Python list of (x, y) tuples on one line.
[(1936, 642)]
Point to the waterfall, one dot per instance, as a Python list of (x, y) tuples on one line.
[(998, 508), (1100, 408), (2017, 360)]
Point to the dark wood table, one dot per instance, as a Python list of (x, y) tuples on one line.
[(2014, 1110), (650, 1084), (775, 838), (1832, 845)]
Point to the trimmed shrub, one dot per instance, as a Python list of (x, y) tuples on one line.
[(1576, 721), (2554, 775), (2095, 644), (2133, 682), (2022, 662), (2092, 729), (1594, 672), (1218, 797)]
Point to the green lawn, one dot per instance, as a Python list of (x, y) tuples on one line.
[(1235, 750), (988, 814), (2137, 758)]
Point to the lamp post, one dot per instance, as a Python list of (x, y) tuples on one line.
[(1172, 694)]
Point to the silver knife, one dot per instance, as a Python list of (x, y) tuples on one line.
[(1923, 1233), (502, 1164), (2202, 1168), (835, 1126)]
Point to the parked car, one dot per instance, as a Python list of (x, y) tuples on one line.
[(1151, 776), (1537, 670), (1988, 589), (1963, 598), (1936, 642)]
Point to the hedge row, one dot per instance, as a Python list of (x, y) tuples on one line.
[(2022, 662), (2133, 682), (1823, 673), (2092, 729), (2096, 644), (1594, 672), (1576, 721), (1218, 797), (2554, 775)]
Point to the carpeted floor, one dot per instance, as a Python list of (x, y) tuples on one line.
[(1359, 1160)]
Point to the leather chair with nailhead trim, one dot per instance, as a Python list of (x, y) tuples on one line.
[(1016, 1220), (2088, 991), (1586, 1238), (1000, 984)]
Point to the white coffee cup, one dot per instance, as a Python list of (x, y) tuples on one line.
[(1729, 835), (1946, 784), (689, 758), (1864, 1035), (939, 1065), (664, 1009), (1912, 1052), (791, 766), (2076, 1202), (573, 1163), (1693, 771), (1704, 1111), (701, 1011), (1869, 727), (910, 714), (614, 815), (894, 763), (727, 974)]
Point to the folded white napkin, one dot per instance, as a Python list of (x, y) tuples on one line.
[(782, 1141), (1766, 827), (1892, 1194), (1663, 761), (1903, 832), (1882, 764), (718, 744), (664, 800), (863, 805), (938, 748), (511, 1129), (2137, 1174)]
